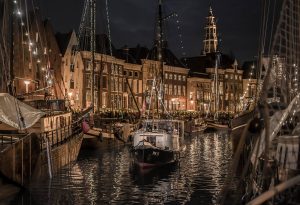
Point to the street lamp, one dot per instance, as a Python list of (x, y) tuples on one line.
[(27, 82)]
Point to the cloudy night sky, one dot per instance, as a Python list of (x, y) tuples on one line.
[(132, 22)]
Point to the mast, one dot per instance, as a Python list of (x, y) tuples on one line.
[(6, 46), (217, 84), (159, 39), (11, 66), (92, 43)]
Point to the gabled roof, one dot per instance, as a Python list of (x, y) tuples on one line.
[(63, 40), (198, 64), (101, 41), (168, 57), (133, 55), (136, 54)]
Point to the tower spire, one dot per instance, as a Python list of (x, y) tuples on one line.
[(210, 42)]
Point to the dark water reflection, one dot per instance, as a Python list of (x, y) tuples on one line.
[(108, 177)]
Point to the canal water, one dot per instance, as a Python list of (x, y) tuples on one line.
[(108, 177)]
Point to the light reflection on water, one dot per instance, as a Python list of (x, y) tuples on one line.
[(108, 177)]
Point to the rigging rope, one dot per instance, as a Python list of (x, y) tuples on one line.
[(108, 27)]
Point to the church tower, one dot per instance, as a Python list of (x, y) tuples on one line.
[(210, 41)]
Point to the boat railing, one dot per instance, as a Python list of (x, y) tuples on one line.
[(61, 135), (11, 138)]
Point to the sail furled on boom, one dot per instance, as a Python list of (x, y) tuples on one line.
[(17, 114)]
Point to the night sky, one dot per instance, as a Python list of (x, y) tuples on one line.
[(132, 22)]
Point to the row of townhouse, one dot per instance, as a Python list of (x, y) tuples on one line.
[(119, 84), (123, 78)]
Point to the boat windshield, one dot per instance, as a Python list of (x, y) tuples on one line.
[(156, 125)]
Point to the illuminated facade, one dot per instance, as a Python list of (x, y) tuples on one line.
[(36, 56), (199, 94), (122, 79), (120, 83)]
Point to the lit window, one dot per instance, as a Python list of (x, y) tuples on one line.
[(170, 90), (179, 90), (72, 67), (191, 96), (166, 89), (175, 89)]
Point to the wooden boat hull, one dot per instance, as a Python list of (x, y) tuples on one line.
[(95, 142), (237, 126), (195, 131), (24, 161), (150, 158), (214, 127)]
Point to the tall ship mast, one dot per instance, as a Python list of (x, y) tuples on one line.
[(6, 47), (159, 46), (269, 145), (157, 142), (39, 127)]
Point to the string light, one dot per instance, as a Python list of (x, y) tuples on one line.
[(295, 85), (183, 53), (244, 104), (25, 29), (19, 12)]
